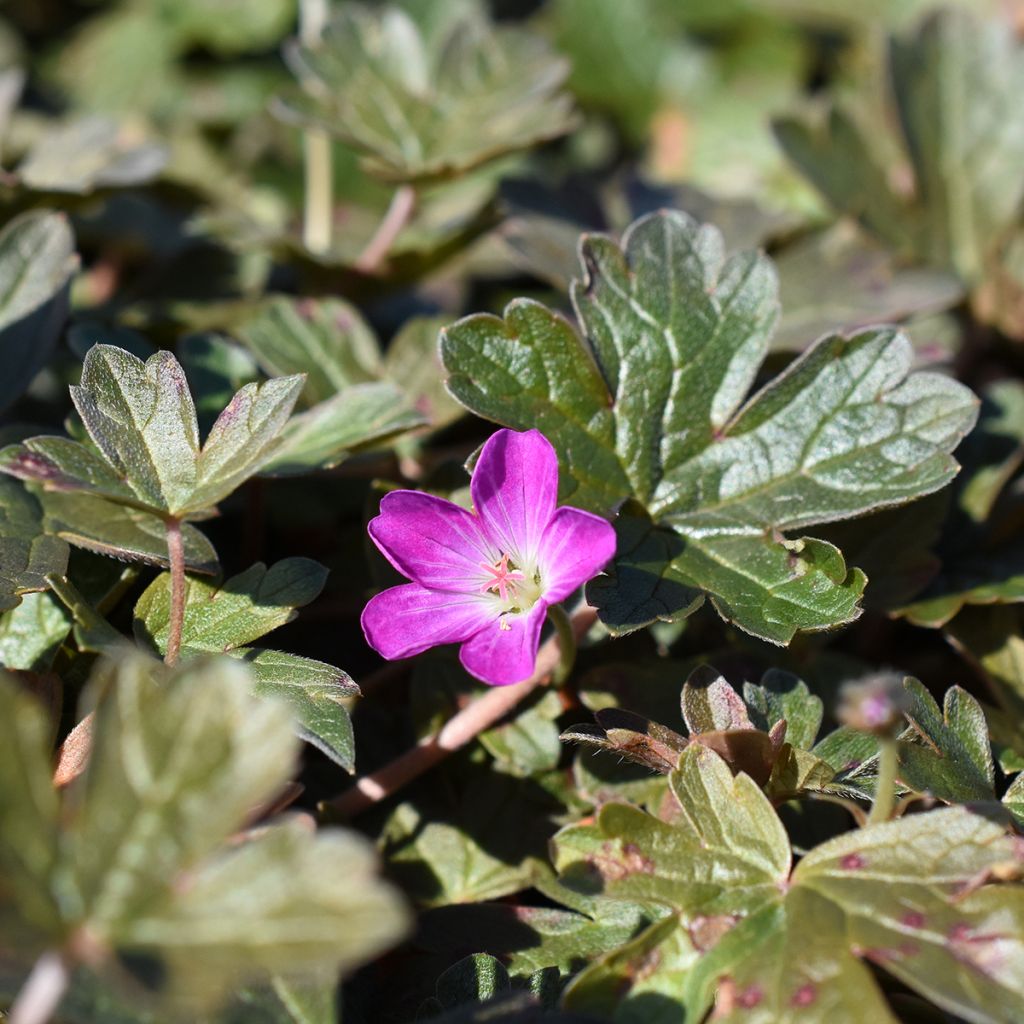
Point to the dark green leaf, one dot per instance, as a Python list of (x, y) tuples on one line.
[(37, 259), (224, 618), (950, 756), (27, 554), (672, 325), (475, 979), (781, 696)]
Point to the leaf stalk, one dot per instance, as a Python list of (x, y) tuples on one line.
[(885, 785), (176, 556)]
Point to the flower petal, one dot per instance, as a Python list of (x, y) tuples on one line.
[(515, 488), (406, 620), (432, 541), (575, 547), (501, 656)]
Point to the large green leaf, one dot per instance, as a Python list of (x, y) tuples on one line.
[(650, 407), (37, 259), (955, 83), (140, 417), (27, 553), (419, 108), (226, 618), (765, 944), (136, 856)]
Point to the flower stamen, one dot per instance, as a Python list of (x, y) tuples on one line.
[(505, 579)]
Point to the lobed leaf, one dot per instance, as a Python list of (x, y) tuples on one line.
[(649, 410), (27, 553), (419, 108)]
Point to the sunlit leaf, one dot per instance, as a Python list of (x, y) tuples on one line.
[(673, 326), (420, 109)]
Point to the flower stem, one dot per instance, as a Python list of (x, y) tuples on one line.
[(566, 643), (43, 990), (461, 729), (176, 555), (318, 209), (403, 202), (885, 784)]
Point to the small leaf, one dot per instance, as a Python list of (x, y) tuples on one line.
[(141, 418), (87, 154), (324, 436), (474, 979), (31, 633), (27, 554), (37, 260), (950, 756), (672, 325), (224, 618), (96, 524), (710, 704), (315, 692), (419, 108), (780, 697), (328, 340)]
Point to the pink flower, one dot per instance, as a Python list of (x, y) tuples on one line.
[(486, 580)]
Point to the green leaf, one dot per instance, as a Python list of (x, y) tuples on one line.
[(327, 434), (654, 964), (96, 524), (416, 108), (671, 325), (909, 896), (277, 903), (27, 554), (474, 979), (142, 421), (87, 154), (952, 82), (328, 340), (710, 704), (781, 696), (29, 811), (479, 845), (315, 692), (949, 756), (179, 762), (31, 633), (37, 260), (225, 617)]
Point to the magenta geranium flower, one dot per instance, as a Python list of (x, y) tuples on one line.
[(484, 580)]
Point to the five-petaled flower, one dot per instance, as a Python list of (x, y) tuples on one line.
[(484, 580)]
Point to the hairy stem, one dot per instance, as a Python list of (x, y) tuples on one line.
[(885, 785), (318, 209), (43, 990), (403, 202), (176, 554), (462, 728)]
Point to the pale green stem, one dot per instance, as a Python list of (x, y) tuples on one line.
[(885, 785), (318, 210)]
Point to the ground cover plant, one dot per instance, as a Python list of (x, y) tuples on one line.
[(614, 411)]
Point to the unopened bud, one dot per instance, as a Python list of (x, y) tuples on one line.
[(875, 704)]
